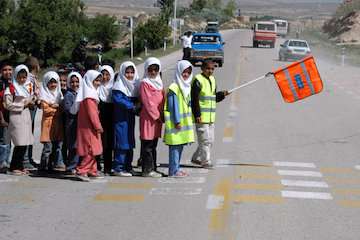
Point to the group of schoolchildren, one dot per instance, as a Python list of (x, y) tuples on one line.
[(90, 119)]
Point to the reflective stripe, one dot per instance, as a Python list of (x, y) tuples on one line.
[(184, 115), (182, 129), (308, 80), (211, 98), (292, 88), (206, 110)]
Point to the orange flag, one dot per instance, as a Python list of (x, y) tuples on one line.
[(299, 80)]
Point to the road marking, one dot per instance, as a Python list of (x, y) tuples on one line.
[(350, 203), (256, 186), (350, 92), (257, 199), (175, 191), (15, 199), (119, 198), (183, 180), (342, 180), (259, 176), (357, 167), (197, 170), (104, 180), (221, 163), (347, 191), (299, 183), (215, 202), (337, 170), (294, 164), (130, 185), (307, 195), (228, 134), (9, 180), (228, 140), (299, 173)]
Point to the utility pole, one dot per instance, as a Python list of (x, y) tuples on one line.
[(131, 37), (174, 23)]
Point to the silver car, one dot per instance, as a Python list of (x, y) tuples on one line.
[(294, 49)]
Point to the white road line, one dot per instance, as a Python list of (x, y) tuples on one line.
[(341, 87), (357, 167), (183, 180), (222, 163), (306, 195), (294, 164), (228, 140), (9, 180), (232, 114), (215, 202), (176, 191), (299, 183), (299, 173), (197, 170), (104, 180)]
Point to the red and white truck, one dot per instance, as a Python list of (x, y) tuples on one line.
[(264, 34)]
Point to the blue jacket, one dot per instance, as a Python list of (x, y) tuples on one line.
[(124, 120)]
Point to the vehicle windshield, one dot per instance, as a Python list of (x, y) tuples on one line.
[(281, 24), (206, 39), (297, 44), (266, 27)]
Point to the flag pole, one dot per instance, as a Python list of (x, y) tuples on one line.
[(251, 82)]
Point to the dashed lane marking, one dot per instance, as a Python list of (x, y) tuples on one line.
[(197, 170), (118, 198), (257, 199), (350, 203), (15, 199), (307, 195), (175, 191), (228, 134), (256, 186), (299, 173), (9, 180), (222, 163), (347, 191), (259, 176), (294, 164), (300, 183), (337, 170), (342, 180), (197, 180), (357, 167), (215, 202), (130, 185)]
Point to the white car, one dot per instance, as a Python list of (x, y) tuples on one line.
[(294, 49)]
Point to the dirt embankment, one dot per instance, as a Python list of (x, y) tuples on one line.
[(344, 29)]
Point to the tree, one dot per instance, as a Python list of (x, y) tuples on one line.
[(7, 8), (152, 33), (47, 28), (198, 5), (214, 4), (230, 8), (103, 29), (167, 8)]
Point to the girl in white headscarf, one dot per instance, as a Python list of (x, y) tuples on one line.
[(89, 129), (74, 81), (151, 120), (51, 123), (18, 101), (106, 108), (125, 98), (178, 117)]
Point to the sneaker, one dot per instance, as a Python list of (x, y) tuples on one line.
[(207, 165), (196, 162), (82, 177), (180, 174), (152, 174), (122, 174)]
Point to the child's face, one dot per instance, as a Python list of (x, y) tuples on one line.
[(208, 69), (106, 76), (129, 73), (52, 85), (63, 79), (74, 83), (153, 70), (186, 73), (21, 78), (97, 82), (6, 72)]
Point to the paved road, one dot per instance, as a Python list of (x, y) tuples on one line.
[(284, 171)]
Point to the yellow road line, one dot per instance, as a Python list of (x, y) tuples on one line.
[(257, 199), (342, 180), (219, 217), (347, 191), (15, 199), (229, 132), (337, 170), (119, 198), (131, 185), (350, 203), (258, 176), (256, 186)]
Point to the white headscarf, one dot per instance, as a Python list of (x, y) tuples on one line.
[(185, 86), (87, 90), (156, 82), (20, 90), (78, 76), (45, 93), (105, 89), (129, 88)]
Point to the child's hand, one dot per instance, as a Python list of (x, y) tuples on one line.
[(178, 126), (198, 120)]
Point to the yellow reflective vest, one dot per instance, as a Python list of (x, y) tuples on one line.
[(207, 98), (184, 135)]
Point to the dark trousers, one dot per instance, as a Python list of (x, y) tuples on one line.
[(148, 155), (29, 160), (186, 53), (107, 158), (17, 161)]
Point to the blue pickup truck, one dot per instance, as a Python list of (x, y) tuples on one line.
[(207, 46)]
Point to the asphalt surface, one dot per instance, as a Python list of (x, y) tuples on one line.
[(283, 171)]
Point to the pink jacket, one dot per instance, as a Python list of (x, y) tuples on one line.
[(152, 112), (88, 141)]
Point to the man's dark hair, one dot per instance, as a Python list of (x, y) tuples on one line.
[(4, 63), (90, 63), (207, 63)]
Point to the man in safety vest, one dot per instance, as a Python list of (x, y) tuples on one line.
[(203, 102)]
